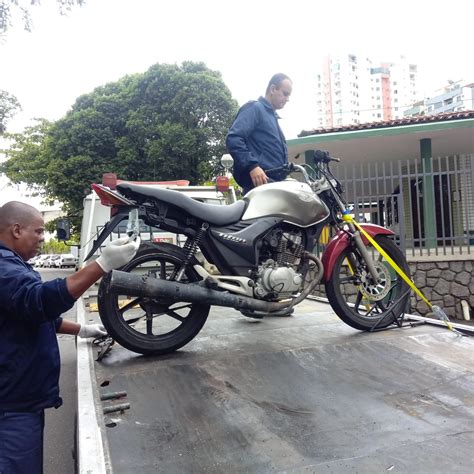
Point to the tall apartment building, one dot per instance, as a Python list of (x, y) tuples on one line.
[(354, 89)]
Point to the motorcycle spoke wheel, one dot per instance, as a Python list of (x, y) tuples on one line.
[(152, 325), (360, 302)]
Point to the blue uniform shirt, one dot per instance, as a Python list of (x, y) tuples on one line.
[(256, 139), (29, 316)]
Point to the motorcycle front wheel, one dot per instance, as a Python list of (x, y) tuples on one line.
[(360, 302), (152, 325)]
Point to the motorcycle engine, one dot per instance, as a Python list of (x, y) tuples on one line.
[(277, 275)]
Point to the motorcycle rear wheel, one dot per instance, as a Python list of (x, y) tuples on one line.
[(148, 325), (359, 303)]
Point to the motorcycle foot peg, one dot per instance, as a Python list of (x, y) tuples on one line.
[(253, 314), (209, 282), (260, 314)]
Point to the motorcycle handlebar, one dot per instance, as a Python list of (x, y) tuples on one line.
[(321, 156)]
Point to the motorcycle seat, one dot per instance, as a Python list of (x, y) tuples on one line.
[(213, 214)]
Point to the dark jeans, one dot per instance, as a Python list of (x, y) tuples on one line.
[(21, 442)]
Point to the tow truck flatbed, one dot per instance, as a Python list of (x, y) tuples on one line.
[(296, 394)]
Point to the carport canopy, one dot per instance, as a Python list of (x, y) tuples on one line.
[(450, 134)]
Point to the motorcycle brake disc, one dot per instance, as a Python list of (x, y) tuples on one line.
[(376, 291)]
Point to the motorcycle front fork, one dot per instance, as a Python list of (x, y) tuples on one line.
[(359, 243)]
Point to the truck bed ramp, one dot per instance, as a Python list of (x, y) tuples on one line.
[(300, 394)]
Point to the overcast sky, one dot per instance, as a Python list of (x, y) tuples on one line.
[(247, 41)]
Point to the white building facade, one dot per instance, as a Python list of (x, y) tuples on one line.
[(21, 193), (454, 97), (354, 89)]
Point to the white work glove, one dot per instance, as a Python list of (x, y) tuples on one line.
[(118, 253), (92, 330)]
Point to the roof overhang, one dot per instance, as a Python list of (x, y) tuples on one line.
[(454, 137)]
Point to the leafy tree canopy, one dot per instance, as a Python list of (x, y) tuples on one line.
[(55, 247), (165, 124), (9, 105), (22, 8)]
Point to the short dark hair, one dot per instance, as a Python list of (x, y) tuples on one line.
[(276, 80)]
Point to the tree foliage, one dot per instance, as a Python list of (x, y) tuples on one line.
[(53, 246), (8, 8), (27, 157), (165, 124), (9, 106)]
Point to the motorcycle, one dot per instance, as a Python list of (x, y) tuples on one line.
[(255, 255)]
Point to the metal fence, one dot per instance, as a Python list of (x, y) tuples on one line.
[(429, 204)]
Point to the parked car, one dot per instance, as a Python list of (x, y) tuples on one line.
[(32, 261), (50, 262), (41, 259), (65, 260)]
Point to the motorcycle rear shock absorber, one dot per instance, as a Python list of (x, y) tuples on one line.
[(190, 248)]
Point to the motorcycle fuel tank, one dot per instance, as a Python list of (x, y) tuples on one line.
[(292, 200)]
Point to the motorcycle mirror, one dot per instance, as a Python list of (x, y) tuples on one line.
[(227, 161)]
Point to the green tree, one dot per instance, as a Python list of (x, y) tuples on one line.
[(27, 157), (55, 247), (9, 106), (8, 8), (167, 123)]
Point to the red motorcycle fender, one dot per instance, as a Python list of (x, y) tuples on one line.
[(339, 243)]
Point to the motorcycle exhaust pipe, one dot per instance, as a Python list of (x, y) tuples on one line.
[(141, 285)]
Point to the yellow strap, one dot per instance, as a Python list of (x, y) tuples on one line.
[(407, 280), (348, 218)]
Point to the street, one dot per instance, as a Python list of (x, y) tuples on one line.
[(59, 424)]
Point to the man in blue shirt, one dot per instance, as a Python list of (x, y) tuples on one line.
[(255, 139), (29, 320)]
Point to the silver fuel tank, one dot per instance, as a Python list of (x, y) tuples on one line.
[(292, 200)]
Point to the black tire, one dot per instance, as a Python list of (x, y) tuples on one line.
[(170, 325), (360, 304)]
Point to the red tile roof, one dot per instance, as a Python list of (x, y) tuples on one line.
[(466, 114)]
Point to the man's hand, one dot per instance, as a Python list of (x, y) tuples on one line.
[(258, 176), (118, 253), (92, 330)]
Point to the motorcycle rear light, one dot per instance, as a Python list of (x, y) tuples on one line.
[(222, 183), (110, 198)]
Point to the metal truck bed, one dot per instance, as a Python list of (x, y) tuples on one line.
[(290, 395)]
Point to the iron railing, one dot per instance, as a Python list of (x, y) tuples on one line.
[(429, 204)]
